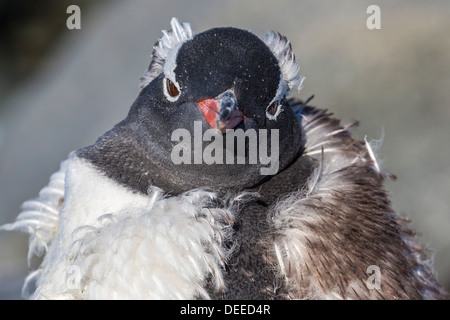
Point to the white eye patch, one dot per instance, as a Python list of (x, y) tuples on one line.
[(289, 78)]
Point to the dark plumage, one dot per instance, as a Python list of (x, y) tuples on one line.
[(354, 225), (206, 66)]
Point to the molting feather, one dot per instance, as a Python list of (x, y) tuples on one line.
[(168, 42), (40, 217), (328, 233), (282, 50)]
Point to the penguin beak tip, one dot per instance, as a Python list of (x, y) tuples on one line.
[(219, 113)]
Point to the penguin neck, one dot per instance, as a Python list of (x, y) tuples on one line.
[(293, 178), (122, 160)]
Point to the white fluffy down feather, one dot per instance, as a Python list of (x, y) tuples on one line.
[(115, 244)]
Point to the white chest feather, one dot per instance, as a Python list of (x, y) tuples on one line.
[(113, 243)]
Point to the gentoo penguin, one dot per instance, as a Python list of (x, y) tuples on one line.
[(218, 186)]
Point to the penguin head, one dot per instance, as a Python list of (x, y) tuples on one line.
[(201, 89)]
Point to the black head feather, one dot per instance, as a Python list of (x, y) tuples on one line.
[(137, 152)]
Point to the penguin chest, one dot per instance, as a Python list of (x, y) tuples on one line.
[(116, 244)]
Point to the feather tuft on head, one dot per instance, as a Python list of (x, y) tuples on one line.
[(282, 50), (179, 33)]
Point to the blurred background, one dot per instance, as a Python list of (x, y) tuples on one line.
[(60, 89)]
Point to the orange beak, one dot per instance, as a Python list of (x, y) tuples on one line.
[(221, 113)]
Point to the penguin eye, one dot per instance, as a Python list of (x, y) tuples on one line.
[(171, 89), (273, 110)]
